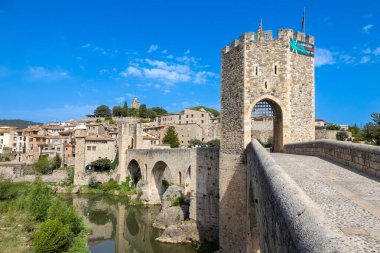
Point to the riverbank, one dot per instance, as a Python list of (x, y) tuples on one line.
[(34, 220)]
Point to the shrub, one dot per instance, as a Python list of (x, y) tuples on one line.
[(341, 136), (214, 143), (52, 236), (39, 200), (101, 164), (92, 183), (56, 163), (67, 215), (333, 127), (69, 180), (79, 245), (6, 189), (43, 165), (178, 201), (110, 185)]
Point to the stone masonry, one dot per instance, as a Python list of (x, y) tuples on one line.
[(252, 71)]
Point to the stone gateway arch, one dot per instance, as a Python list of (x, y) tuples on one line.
[(273, 75)]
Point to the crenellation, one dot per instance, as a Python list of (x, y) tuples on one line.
[(300, 36)]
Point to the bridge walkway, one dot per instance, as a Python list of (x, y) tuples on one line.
[(349, 199)]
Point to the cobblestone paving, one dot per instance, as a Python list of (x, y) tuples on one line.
[(350, 199)]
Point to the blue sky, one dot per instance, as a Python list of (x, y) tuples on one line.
[(61, 59)]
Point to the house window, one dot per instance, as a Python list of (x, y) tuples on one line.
[(202, 121), (192, 115), (202, 115), (93, 147), (187, 116), (88, 147)]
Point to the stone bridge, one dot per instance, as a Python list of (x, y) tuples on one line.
[(195, 169), (311, 201)]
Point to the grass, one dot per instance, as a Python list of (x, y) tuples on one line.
[(16, 231)]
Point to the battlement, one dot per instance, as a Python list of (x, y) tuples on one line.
[(282, 34)]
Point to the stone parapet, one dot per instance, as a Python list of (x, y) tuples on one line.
[(287, 219), (365, 158)]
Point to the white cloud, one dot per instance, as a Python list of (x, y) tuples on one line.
[(323, 57), (120, 99), (202, 76), (365, 59), (152, 48), (131, 71), (187, 52), (43, 73), (187, 60), (367, 28), (376, 51), (156, 86), (86, 45), (165, 51), (170, 56), (167, 91)]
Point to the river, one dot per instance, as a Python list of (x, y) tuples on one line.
[(118, 227)]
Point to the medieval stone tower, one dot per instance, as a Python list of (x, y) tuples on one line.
[(271, 75)]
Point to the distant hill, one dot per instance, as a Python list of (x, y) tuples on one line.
[(17, 123), (213, 111)]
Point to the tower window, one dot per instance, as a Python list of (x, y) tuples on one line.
[(266, 85), (275, 69), (256, 71)]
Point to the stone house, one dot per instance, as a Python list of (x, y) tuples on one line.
[(6, 139)]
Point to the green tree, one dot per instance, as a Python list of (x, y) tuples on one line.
[(103, 111), (124, 110), (101, 164), (159, 110), (171, 137), (56, 163), (333, 127), (143, 111), (117, 111), (376, 118), (355, 130), (43, 165), (214, 112), (133, 112)]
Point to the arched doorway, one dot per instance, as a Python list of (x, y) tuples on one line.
[(161, 179), (134, 171), (266, 120)]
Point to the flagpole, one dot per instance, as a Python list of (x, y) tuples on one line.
[(304, 14)]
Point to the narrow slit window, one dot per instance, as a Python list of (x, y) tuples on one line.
[(275, 69), (257, 71), (266, 85)]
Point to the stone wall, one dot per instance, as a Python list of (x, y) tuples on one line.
[(328, 134), (365, 158), (286, 219)]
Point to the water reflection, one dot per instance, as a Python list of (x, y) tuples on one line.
[(117, 227)]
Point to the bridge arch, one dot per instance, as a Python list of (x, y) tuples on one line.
[(266, 122), (134, 171), (160, 179)]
